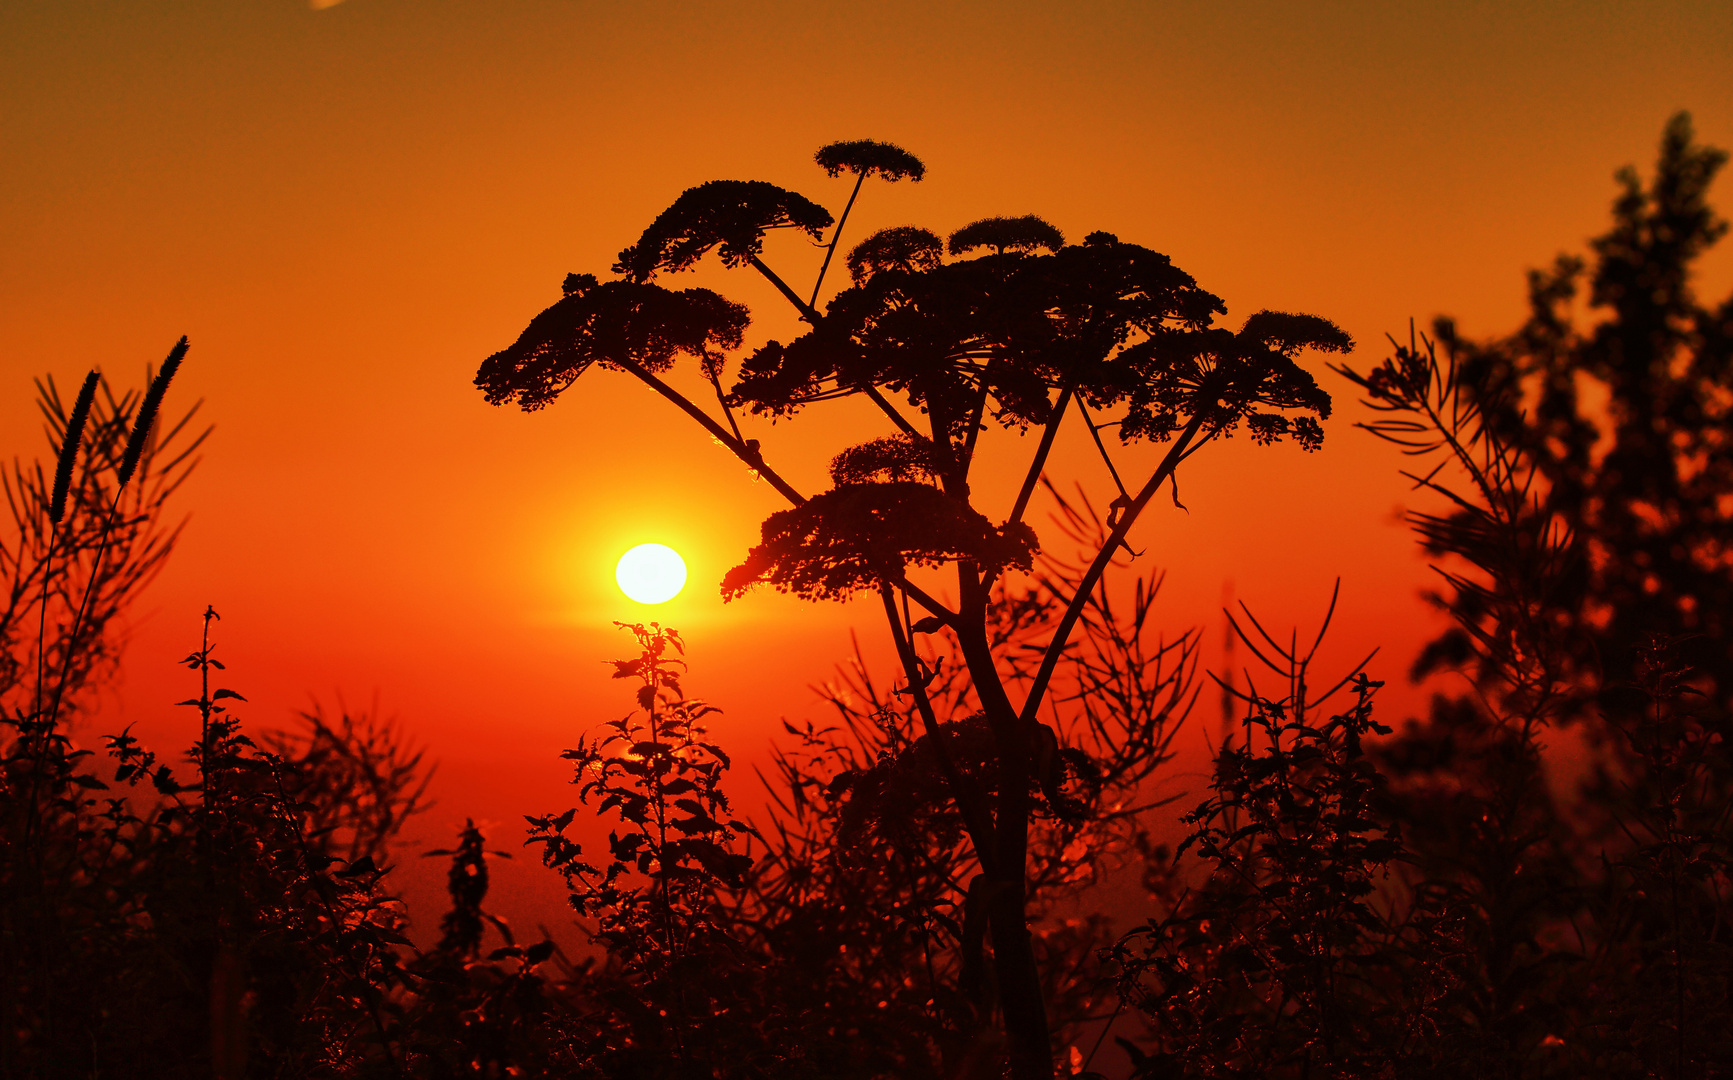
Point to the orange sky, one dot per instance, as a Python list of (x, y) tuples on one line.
[(348, 208)]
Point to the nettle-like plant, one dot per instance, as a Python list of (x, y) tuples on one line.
[(653, 904), (1004, 323)]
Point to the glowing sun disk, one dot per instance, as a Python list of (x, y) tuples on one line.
[(651, 573)]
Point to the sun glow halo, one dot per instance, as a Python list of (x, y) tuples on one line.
[(651, 573)]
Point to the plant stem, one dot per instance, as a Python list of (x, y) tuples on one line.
[(737, 446), (963, 792), (42, 616), (1047, 436), (83, 606), (1050, 659), (807, 311), (860, 178)]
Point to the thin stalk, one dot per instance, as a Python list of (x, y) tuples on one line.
[(755, 461), (738, 446), (860, 178), (722, 400), (807, 311), (71, 435), (205, 703), (1041, 452), (1095, 433), (652, 679), (41, 747), (975, 415), (872, 392), (963, 793), (83, 606), (42, 616)]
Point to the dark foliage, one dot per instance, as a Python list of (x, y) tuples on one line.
[(908, 248), (893, 458), (1002, 234), (1283, 960), (1474, 909), (1351, 901), (1625, 426)]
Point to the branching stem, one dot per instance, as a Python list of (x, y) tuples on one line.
[(807, 311), (740, 447), (963, 793), (1074, 609)]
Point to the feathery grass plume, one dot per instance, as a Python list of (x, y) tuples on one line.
[(69, 447), (147, 411)]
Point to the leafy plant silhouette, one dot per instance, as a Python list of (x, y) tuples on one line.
[(655, 901)]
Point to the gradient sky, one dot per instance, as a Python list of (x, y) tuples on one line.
[(347, 206)]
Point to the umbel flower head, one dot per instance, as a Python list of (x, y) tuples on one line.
[(864, 157), (618, 323), (1117, 323), (1019, 324), (856, 536), (907, 248), (1002, 234), (894, 457), (729, 215), (1227, 377)]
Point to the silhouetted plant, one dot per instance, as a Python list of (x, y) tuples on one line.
[(185, 929), (674, 974), (1351, 902), (1623, 424), (1282, 961), (1557, 584), (467, 1011), (1014, 338), (58, 526), (1661, 904), (202, 929)]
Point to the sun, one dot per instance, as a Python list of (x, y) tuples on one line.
[(651, 573)]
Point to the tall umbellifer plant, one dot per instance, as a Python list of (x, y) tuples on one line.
[(1004, 324)]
